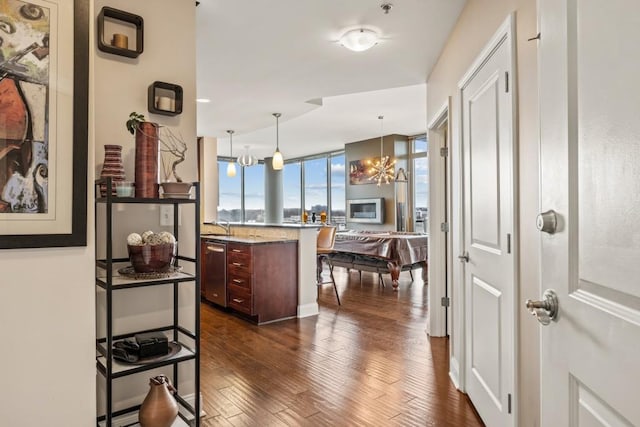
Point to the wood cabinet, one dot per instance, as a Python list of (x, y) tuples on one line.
[(262, 279)]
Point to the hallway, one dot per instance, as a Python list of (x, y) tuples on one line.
[(368, 362)]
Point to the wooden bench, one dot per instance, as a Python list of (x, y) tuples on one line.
[(369, 264)]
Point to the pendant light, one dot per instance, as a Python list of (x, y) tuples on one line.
[(231, 166), (277, 162), (247, 159), (382, 169)]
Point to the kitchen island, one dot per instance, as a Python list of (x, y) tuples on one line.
[(260, 243)]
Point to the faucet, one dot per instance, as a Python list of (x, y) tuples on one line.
[(224, 224)]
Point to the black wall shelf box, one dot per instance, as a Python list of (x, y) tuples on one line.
[(164, 98), (125, 18)]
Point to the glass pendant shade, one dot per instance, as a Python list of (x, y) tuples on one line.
[(277, 162), (231, 167), (247, 159), (359, 40)]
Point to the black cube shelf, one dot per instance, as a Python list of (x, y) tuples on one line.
[(164, 98), (126, 18)]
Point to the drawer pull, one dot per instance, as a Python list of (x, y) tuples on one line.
[(215, 295), (237, 264), (238, 300), (215, 249), (236, 251), (238, 281)]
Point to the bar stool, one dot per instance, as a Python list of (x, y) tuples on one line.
[(324, 248)]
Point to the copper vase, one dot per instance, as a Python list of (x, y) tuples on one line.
[(147, 160), (159, 408), (112, 167)]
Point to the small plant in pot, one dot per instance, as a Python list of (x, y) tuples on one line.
[(172, 152)]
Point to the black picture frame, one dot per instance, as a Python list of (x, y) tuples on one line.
[(78, 196)]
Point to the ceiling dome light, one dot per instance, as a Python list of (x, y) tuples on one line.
[(359, 40)]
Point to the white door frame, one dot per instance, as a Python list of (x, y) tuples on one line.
[(506, 32), (439, 241)]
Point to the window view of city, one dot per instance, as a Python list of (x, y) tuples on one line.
[(242, 198)]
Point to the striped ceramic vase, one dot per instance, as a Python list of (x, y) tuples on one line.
[(112, 167)]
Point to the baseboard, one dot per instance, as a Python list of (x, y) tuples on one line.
[(454, 373), (307, 310), (132, 418)]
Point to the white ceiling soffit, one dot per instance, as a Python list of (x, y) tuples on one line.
[(256, 58)]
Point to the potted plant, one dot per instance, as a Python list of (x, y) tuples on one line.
[(151, 140)]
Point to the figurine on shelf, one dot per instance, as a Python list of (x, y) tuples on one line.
[(313, 217)]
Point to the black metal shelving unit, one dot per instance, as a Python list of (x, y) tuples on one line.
[(109, 282)]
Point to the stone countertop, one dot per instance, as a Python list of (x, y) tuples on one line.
[(260, 224), (257, 240)]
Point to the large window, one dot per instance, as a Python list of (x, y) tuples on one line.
[(254, 193), (420, 167), (315, 186), (292, 192), (241, 198), (338, 198), (230, 195)]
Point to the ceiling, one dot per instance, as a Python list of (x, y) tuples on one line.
[(256, 58)]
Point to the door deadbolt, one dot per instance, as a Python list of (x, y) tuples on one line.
[(547, 222), (547, 309)]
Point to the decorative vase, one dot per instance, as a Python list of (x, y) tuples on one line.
[(112, 168), (147, 160), (159, 408), (313, 217)]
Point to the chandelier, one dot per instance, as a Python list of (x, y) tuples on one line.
[(247, 159), (381, 169)]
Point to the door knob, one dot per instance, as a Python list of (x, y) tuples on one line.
[(545, 310), (547, 222), (464, 257)]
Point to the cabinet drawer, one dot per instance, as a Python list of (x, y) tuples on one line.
[(241, 279), (240, 256), (239, 299)]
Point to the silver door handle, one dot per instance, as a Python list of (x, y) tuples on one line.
[(547, 309), (547, 222), (215, 249), (464, 257)]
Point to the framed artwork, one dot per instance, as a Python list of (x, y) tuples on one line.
[(358, 172), (44, 64)]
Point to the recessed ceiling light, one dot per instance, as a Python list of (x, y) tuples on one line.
[(359, 39), (203, 100)]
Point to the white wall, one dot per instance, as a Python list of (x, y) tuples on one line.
[(47, 296), (121, 87), (47, 356), (476, 24)]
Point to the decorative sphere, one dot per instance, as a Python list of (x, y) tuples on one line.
[(154, 239), (167, 237), (145, 236), (134, 239)]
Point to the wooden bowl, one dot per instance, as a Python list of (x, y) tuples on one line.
[(152, 258)]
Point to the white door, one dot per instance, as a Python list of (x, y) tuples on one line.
[(590, 175), (488, 212)]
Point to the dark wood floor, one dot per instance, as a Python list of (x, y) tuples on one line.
[(368, 362)]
